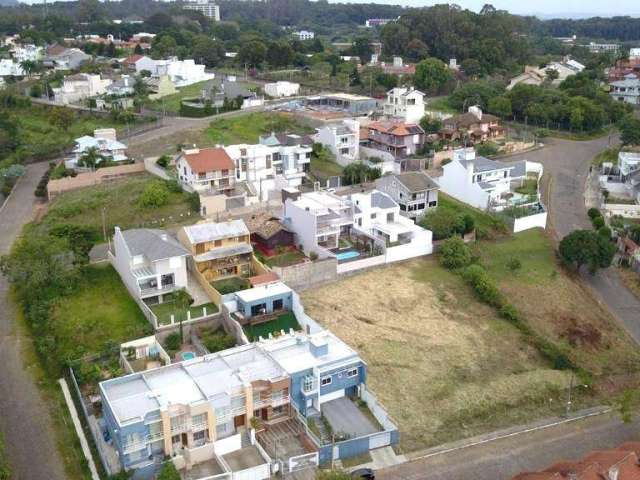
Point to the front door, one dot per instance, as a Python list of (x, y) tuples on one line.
[(265, 414), (238, 421)]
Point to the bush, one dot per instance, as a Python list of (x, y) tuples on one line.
[(173, 342), (454, 253), (593, 213), (168, 472), (163, 161), (597, 222), (604, 232), (514, 264), (313, 256), (194, 201), (488, 149), (483, 285), (445, 223), (155, 194)]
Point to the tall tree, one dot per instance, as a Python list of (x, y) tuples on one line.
[(431, 75), (586, 247)]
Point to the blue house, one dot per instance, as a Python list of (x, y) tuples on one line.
[(264, 299)]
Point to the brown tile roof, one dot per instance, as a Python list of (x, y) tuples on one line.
[(209, 160), (265, 225), (396, 128), (133, 58), (468, 119), (264, 278), (54, 50)]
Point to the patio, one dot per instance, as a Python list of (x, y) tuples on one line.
[(244, 458), (284, 439), (345, 416), (205, 469)]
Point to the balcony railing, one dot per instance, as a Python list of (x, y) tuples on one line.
[(179, 428), (277, 401), (196, 427), (156, 290), (154, 437), (133, 447)]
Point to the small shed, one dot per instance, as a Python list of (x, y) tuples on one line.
[(268, 233), (264, 299)]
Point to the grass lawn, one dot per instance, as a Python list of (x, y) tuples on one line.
[(100, 314), (528, 187), (485, 222), (323, 168), (285, 259), (436, 355), (172, 102), (284, 322), (216, 339), (247, 128), (608, 155), (230, 285), (120, 202), (164, 311), (440, 104)]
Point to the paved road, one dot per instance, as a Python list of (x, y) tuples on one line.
[(24, 416), (533, 451), (568, 163)]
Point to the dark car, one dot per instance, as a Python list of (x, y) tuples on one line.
[(363, 474)]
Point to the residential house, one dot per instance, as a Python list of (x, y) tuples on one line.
[(342, 103), (396, 67), (130, 62), (121, 87), (150, 262), (62, 58), (620, 463), (268, 233), (303, 35), (378, 22), (318, 220), (219, 250), (208, 8), (634, 53), (263, 300), (404, 103), (537, 75), (594, 47), (627, 90), (80, 86), (27, 52), (342, 139), (196, 412), (119, 103), (282, 89), (181, 72), (10, 68), (220, 92), (473, 126), (206, 169), (160, 87), (399, 139), (104, 140), (414, 192), (623, 179), (629, 252)]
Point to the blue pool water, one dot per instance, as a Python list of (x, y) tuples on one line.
[(188, 355), (347, 255)]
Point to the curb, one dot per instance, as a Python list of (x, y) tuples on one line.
[(499, 435), (6, 200)]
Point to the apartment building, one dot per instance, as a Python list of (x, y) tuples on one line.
[(208, 8), (342, 139), (219, 250), (150, 262), (404, 103), (79, 87)]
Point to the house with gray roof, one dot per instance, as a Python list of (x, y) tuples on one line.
[(414, 192), (627, 90), (150, 262)]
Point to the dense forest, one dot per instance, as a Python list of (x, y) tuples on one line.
[(622, 29)]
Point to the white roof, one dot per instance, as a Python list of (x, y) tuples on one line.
[(207, 232), (320, 203), (86, 142), (262, 291)]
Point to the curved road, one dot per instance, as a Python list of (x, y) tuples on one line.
[(25, 418), (568, 164)]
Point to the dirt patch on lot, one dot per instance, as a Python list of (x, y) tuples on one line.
[(442, 363)]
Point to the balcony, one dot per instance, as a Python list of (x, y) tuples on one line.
[(309, 385), (179, 428), (154, 437), (196, 427), (147, 290), (282, 400), (134, 447)]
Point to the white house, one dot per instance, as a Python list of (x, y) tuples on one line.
[(181, 72), (104, 140), (282, 89), (208, 8), (405, 103), (79, 87), (475, 180), (537, 75), (10, 68), (206, 170), (150, 262), (324, 223), (121, 87), (304, 35), (634, 53), (627, 90), (342, 138), (27, 52)]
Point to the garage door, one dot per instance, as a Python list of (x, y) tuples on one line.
[(380, 440), (331, 396)]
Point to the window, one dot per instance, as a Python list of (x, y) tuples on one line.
[(325, 381), (307, 383), (217, 243), (373, 215), (352, 372), (199, 437), (199, 420)]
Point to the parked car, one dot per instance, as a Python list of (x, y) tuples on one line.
[(363, 474)]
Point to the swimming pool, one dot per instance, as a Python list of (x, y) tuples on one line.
[(188, 355), (348, 255)]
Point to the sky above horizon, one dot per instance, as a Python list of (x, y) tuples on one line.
[(542, 8)]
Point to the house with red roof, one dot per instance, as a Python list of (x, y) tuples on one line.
[(398, 138), (206, 170)]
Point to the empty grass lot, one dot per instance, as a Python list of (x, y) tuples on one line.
[(248, 128), (284, 322), (164, 311), (99, 315), (120, 202), (230, 285), (445, 366), (171, 103)]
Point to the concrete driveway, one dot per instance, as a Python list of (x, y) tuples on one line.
[(344, 416), (568, 164), (25, 418)]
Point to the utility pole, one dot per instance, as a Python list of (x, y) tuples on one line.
[(569, 396)]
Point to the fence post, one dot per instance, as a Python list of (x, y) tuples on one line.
[(172, 319), (204, 311)]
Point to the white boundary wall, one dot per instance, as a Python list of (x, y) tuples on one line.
[(532, 221), (628, 211)]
